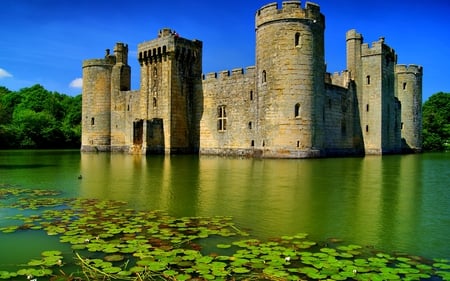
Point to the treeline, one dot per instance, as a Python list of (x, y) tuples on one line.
[(436, 122), (36, 118)]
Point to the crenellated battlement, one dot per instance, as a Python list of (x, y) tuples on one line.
[(376, 48), (168, 42), (412, 68), (235, 73), (340, 79), (290, 10)]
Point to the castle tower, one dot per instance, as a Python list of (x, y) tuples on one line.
[(96, 108), (372, 69), (120, 83), (290, 75), (171, 95), (409, 92)]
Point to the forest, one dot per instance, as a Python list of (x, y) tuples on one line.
[(37, 118)]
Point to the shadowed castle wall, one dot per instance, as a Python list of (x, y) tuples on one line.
[(409, 92)]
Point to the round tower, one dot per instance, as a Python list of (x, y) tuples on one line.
[(409, 92), (96, 114), (290, 75)]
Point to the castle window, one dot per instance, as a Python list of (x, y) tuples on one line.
[(298, 143), (264, 78), (402, 125), (253, 143), (92, 121), (250, 125), (221, 118), (155, 102), (297, 110), (128, 107), (404, 85), (367, 128), (297, 40), (367, 107), (251, 95), (368, 79)]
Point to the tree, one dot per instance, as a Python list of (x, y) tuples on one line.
[(36, 118), (436, 122)]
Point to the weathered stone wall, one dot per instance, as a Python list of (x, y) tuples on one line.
[(171, 69), (286, 106), (373, 73), (409, 92), (235, 92), (339, 119), (96, 108), (290, 77), (120, 84)]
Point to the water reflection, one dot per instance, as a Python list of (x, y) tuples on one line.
[(375, 201)]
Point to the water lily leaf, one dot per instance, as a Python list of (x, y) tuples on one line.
[(9, 229), (137, 269), (112, 269), (223, 246), (35, 262), (7, 275), (240, 270), (441, 265), (51, 253), (183, 277), (113, 258)]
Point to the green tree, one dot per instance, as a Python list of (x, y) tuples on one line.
[(436, 122), (36, 118)]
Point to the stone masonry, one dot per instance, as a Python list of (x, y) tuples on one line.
[(286, 106)]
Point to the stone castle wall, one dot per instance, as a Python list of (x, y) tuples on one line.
[(409, 91), (234, 92), (286, 106)]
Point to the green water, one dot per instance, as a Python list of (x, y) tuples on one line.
[(391, 203)]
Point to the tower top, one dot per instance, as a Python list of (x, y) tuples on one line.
[(290, 10), (412, 68)]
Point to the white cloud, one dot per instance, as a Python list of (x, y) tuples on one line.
[(4, 73), (77, 83)]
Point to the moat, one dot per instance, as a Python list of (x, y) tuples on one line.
[(392, 203)]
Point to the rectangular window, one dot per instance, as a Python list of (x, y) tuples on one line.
[(221, 118)]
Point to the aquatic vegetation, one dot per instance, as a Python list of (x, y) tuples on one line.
[(110, 241)]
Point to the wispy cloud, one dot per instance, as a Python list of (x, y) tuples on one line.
[(76, 83), (4, 73)]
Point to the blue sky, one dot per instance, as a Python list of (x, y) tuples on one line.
[(45, 41)]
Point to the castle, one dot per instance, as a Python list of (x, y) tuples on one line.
[(286, 106)]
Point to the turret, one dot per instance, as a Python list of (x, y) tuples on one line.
[(409, 92), (96, 115), (290, 75), (354, 41)]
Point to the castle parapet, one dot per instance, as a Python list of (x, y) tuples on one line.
[(376, 48), (289, 10), (412, 68), (233, 74), (108, 61), (340, 79), (168, 43)]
